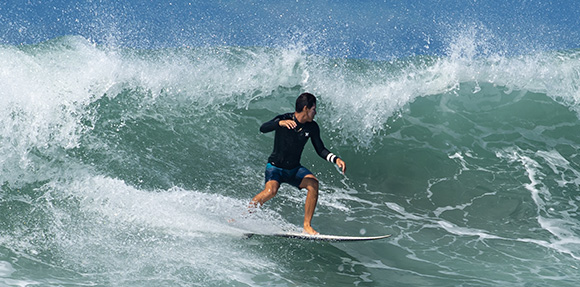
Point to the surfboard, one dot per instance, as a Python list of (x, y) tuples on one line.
[(319, 237)]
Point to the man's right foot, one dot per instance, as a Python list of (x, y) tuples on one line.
[(309, 230)]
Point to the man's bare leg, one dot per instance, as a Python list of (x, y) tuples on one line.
[(311, 184), (270, 190)]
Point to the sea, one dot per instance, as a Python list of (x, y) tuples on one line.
[(130, 145)]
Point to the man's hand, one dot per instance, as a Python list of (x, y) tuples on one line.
[(289, 124), (341, 164)]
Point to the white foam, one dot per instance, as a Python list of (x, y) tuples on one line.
[(364, 97), (464, 231), (560, 166), (399, 209), (51, 85), (6, 269), (44, 90), (101, 224), (552, 215)]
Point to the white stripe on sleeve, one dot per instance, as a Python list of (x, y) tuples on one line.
[(330, 157)]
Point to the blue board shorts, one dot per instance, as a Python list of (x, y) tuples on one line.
[(291, 176)]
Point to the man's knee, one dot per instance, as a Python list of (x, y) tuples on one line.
[(310, 182), (272, 188), (271, 192)]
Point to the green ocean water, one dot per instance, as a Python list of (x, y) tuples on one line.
[(123, 167)]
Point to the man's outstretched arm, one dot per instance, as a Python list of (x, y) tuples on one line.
[(324, 153)]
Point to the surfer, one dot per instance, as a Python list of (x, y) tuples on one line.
[(292, 132)]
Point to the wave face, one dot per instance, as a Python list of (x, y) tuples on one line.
[(125, 167)]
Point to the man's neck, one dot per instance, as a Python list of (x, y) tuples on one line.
[(300, 117)]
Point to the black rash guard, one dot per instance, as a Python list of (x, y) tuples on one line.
[(289, 143)]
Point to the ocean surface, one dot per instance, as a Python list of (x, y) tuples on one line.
[(128, 155)]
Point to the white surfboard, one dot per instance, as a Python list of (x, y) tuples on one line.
[(320, 237)]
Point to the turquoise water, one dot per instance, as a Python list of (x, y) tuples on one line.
[(123, 167)]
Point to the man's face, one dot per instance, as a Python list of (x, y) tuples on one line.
[(310, 113)]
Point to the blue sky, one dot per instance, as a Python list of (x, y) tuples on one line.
[(354, 28)]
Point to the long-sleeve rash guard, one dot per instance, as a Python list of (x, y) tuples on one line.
[(289, 143)]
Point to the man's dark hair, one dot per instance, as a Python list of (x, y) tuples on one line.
[(305, 100)]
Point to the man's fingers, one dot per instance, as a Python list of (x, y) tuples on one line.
[(289, 124), (341, 164)]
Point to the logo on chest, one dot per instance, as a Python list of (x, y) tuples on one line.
[(302, 132)]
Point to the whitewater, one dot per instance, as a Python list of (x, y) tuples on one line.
[(133, 166)]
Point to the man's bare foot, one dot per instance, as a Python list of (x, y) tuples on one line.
[(309, 230)]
